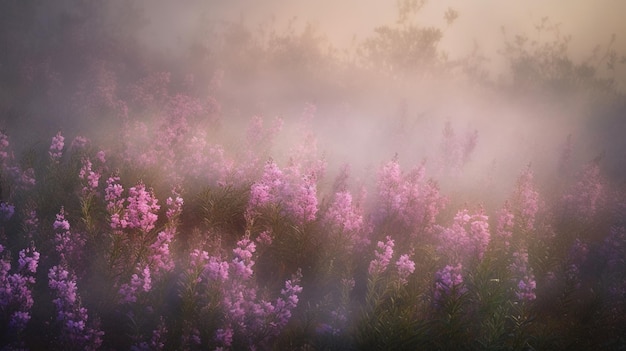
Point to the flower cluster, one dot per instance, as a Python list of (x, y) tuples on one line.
[(68, 245), (140, 212), (297, 194), (383, 255), (449, 282), (56, 147), (343, 215), (409, 199), (523, 276), (90, 177), (526, 201), (138, 282), (467, 238), (16, 290), (76, 331), (405, 268)]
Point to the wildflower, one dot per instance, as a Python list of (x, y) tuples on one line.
[(68, 245), (224, 336), (216, 269), (56, 147), (405, 268), (76, 330), (383, 256), (468, 236), (29, 259), (101, 156), (265, 238), (160, 258), (523, 276), (408, 198), (142, 208), (289, 300), (265, 191), (302, 202), (526, 200), (449, 282), (16, 297), (79, 142), (138, 282), (113, 194), (4, 151), (174, 206), (6, 211), (504, 226), (242, 262), (92, 178), (342, 215)]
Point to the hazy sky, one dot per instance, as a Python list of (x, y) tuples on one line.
[(590, 23)]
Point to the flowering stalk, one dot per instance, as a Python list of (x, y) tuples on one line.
[(76, 331)]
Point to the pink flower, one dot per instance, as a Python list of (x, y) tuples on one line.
[(56, 147), (75, 329), (242, 262), (505, 225), (142, 208), (138, 282), (405, 268), (523, 275), (526, 200), (468, 236), (343, 215), (224, 336), (174, 206), (29, 259), (92, 178), (217, 269), (383, 255), (79, 142), (449, 282), (6, 211), (409, 199), (160, 257)]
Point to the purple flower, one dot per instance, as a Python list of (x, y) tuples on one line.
[(28, 259), (16, 298), (6, 211), (383, 255), (405, 268), (75, 329), (139, 282), (79, 142), (523, 276), (142, 208), (90, 177), (174, 206), (449, 282), (505, 225), (410, 199), (160, 257), (343, 215), (265, 191), (56, 147), (217, 269), (242, 262), (526, 200), (468, 236), (224, 336)]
